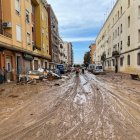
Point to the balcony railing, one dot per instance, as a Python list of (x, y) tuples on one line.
[(3, 32), (115, 54)]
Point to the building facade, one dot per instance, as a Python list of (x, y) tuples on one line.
[(24, 43), (92, 53), (118, 43), (54, 37), (62, 50), (70, 54)]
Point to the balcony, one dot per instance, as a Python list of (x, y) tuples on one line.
[(35, 2), (115, 54), (3, 32)]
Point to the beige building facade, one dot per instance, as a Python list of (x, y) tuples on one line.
[(24, 38), (118, 43)]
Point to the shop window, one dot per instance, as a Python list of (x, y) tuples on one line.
[(138, 58), (128, 60)]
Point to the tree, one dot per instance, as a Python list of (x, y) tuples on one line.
[(87, 59)]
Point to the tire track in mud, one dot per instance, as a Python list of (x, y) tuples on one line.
[(119, 104), (59, 102), (92, 118)]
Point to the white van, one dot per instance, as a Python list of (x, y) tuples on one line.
[(98, 69)]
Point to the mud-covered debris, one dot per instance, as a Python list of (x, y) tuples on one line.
[(13, 96), (56, 84)]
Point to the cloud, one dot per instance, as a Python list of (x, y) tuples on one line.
[(80, 20), (80, 39)]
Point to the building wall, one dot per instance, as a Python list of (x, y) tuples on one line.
[(18, 48), (115, 32), (92, 53)]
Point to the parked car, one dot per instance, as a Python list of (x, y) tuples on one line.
[(61, 68), (97, 69)]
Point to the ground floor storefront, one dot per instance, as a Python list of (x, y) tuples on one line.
[(17, 63), (128, 62)]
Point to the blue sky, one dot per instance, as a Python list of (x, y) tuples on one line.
[(80, 22)]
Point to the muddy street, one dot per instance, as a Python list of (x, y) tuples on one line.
[(87, 107)]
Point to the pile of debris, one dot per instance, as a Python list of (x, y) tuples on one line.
[(35, 76)]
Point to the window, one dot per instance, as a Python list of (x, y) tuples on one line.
[(139, 35), (17, 6), (28, 39), (118, 31), (113, 62), (121, 61), (128, 3), (27, 16), (128, 60), (118, 46), (118, 14), (121, 28), (138, 58), (42, 15), (121, 46), (18, 33), (128, 21), (139, 11), (121, 10), (128, 42)]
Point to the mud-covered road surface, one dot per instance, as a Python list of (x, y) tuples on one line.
[(82, 108)]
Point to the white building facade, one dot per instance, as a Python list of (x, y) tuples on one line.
[(119, 38)]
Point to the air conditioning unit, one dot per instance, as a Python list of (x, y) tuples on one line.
[(7, 24)]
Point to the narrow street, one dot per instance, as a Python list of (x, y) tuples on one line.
[(87, 107)]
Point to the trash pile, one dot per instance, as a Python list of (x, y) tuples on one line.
[(36, 76)]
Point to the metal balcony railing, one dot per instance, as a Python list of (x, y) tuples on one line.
[(115, 53)]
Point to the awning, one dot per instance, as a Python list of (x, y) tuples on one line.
[(28, 57)]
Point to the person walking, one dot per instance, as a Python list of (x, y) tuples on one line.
[(4, 75), (1, 76)]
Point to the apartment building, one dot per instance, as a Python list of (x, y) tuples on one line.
[(54, 37), (92, 53), (118, 43), (62, 50), (70, 54), (24, 43)]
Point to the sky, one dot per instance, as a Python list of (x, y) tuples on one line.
[(80, 22)]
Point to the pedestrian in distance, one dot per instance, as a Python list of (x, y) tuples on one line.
[(1, 76), (83, 70), (4, 75), (77, 72)]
